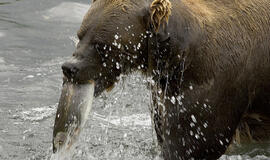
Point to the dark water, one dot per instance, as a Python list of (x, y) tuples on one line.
[(36, 37)]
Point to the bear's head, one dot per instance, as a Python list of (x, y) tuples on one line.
[(114, 39)]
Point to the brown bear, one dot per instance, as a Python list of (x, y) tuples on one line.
[(209, 61)]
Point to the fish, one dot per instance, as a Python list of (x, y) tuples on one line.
[(73, 109)]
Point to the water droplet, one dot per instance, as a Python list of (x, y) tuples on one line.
[(183, 141), (116, 36), (114, 43), (139, 46), (125, 135), (193, 119), (117, 65), (221, 142), (168, 132), (173, 100)]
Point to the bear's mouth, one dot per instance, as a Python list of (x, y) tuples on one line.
[(83, 80)]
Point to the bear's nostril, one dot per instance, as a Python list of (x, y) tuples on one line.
[(69, 70)]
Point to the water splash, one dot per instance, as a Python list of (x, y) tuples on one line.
[(36, 114), (135, 120), (243, 157), (75, 40)]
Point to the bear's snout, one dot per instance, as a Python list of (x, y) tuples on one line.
[(80, 70), (70, 70)]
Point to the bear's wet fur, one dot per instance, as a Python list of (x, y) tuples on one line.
[(209, 61)]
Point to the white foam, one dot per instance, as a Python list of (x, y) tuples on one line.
[(2, 34), (243, 157), (37, 114), (2, 60), (64, 155), (29, 76), (75, 40), (132, 120), (67, 12)]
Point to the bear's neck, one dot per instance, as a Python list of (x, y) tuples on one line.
[(176, 54)]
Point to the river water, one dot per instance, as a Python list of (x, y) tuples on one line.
[(36, 37)]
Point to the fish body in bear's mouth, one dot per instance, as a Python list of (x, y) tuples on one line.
[(73, 109)]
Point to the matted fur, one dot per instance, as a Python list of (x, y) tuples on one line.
[(160, 12)]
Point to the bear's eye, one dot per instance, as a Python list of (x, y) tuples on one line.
[(94, 1)]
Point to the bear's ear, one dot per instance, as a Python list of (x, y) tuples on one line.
[(160, 10)]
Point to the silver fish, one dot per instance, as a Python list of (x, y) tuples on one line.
[(74, 107)]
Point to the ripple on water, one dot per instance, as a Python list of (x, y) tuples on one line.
[(2, 34), (5, 67), (36, 114), (67, 12), (2, 60), (132, 120), (243, 157)]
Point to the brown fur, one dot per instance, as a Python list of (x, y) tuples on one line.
[(210, 66), (160, 11)]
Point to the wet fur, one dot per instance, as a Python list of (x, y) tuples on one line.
[(226, 46), (212, 62), (160, 11)]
